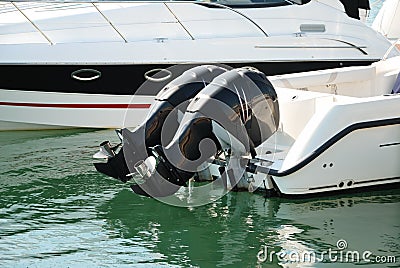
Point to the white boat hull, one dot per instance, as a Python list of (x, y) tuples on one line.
[(362, 158), (46, 46), (44, 110), (339, 133)]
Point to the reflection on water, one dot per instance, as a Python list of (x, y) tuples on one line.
[(55, 210), (232, 230)]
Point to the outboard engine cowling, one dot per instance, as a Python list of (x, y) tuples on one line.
[(239, 110), (171, 99)]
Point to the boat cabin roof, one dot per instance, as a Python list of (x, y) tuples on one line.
[(130, 21)]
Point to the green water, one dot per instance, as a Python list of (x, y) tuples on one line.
[(57, 211)]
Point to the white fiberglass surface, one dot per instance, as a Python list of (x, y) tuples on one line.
[(14, 27), (36, 22)]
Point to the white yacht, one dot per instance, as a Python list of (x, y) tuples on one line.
[(77, 64)]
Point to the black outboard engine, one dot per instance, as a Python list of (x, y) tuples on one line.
[(352, 7), (173, 98), (235, 113)]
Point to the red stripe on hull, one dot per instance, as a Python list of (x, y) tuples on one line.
[(79, 105)]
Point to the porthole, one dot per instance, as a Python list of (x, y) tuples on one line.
[(158, 75), (86, 74)]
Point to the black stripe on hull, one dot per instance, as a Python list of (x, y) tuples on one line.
[(126, 79), (390, 144)]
